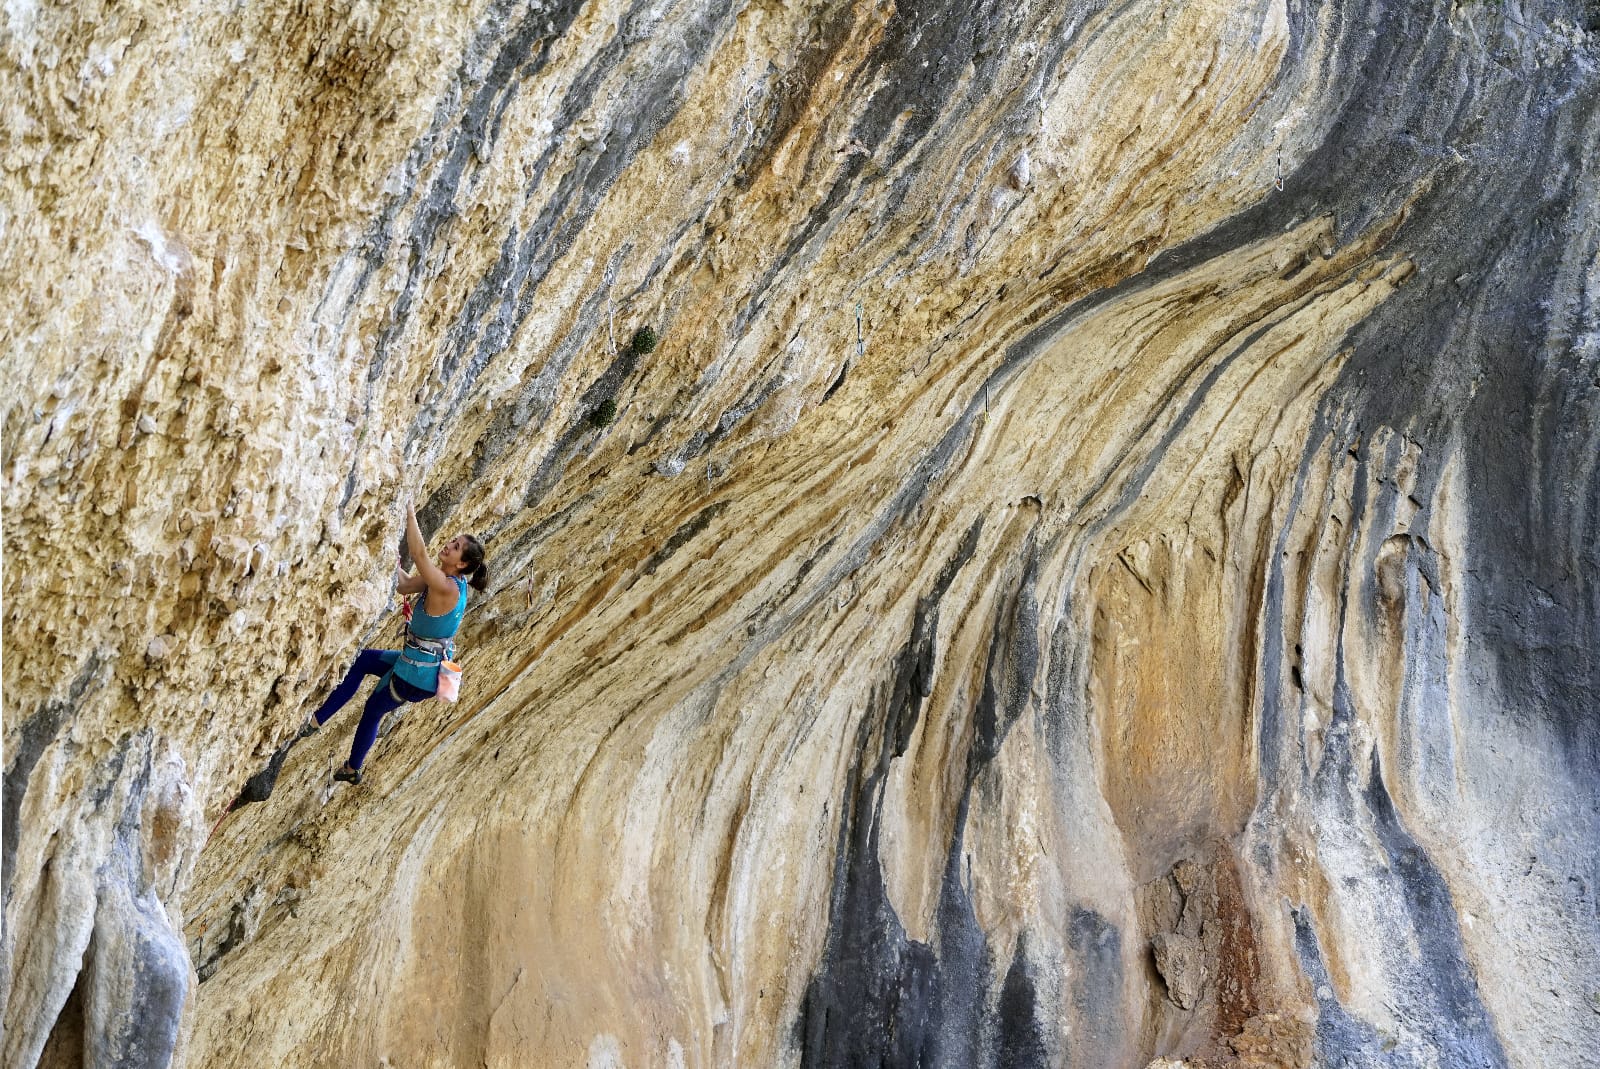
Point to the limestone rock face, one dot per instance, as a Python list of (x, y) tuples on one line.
[(1101, 567)]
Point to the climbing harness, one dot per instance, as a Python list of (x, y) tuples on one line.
[(434, 650), (429, 653), (420, 652)]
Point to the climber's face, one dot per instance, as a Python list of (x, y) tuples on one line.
[(450, 555)]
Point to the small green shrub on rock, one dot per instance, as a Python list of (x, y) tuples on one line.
[(644, 340), (604, 412)]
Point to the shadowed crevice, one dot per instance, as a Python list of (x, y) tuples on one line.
[(879, 998)]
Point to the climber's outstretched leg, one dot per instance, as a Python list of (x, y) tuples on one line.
[(390, 694), (368, 663)]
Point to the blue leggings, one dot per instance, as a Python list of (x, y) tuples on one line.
[(379, 703)]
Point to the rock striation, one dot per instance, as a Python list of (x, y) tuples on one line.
[(1095, 562)]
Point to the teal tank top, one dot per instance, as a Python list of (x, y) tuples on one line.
[(418, 663)]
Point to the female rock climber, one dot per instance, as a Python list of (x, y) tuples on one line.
[(410, 674)]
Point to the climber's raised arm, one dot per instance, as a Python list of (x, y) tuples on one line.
[(407, 583), (443, 591)]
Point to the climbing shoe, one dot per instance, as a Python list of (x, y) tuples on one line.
[(349, 775), (308, 729)]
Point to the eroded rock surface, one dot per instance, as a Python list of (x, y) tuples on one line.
[(1099, 568)]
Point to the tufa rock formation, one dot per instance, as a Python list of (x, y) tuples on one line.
[(1098, 565)]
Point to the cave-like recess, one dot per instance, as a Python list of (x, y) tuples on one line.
[(1022, 534)]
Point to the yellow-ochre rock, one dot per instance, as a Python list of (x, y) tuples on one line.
[(1100, 566)]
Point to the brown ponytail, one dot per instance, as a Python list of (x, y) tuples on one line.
[(472, 556)]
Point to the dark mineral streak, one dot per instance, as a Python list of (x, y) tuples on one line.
[(1479, 162)]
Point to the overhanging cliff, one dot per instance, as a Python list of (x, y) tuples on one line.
[(1100, 565)]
